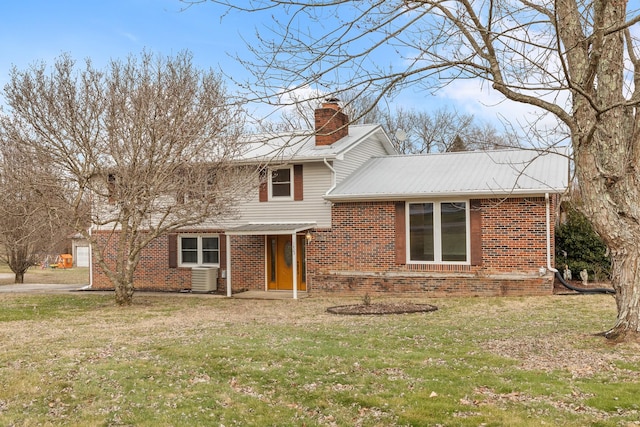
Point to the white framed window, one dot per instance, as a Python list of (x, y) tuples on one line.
[(438, 232), (281, 183), (198, 250)]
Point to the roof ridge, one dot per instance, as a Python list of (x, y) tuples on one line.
[(552, 150)]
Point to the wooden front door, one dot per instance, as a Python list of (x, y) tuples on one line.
[(280, 263)]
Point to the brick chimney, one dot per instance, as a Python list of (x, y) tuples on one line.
[(331, 123)]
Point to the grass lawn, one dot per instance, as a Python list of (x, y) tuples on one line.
[(191, 360), (71, 276)]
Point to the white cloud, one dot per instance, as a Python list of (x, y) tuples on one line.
[(483, 102)]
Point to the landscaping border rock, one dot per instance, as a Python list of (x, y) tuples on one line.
[(381, 308)]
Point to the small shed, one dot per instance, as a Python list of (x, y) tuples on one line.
[(80, 250)]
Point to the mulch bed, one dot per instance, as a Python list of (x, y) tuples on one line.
[(382, 308)]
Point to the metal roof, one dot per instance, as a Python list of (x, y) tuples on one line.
[(470, 173), (269, 228), (282, 147)]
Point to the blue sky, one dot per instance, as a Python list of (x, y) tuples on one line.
[(41, 30)]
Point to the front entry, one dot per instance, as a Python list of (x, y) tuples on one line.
[(280, 263)]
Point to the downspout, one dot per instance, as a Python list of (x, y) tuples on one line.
[(90, 257), (548, 224), (333, 176), (228, 249)]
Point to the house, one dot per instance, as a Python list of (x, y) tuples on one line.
[(341, 212)]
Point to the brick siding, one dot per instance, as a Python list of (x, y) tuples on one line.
[(153, 272), (248, 258), (357, 256)]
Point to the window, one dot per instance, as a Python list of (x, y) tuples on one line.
[(197, 250), (438, 232), (281, 183)]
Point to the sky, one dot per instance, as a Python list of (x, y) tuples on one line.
[(33, 31), (41, 30)]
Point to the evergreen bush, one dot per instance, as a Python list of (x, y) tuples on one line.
[(580, 247)]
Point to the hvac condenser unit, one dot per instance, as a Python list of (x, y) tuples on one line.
[(204, 279)]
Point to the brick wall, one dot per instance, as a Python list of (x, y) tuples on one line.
[(153, 272), (247, 263), (362, 237), (514, 235), (358, 254)]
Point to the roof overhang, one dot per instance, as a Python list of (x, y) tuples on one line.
[(263, 228), (461, 194)]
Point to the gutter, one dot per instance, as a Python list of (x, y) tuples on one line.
[(439, 195)]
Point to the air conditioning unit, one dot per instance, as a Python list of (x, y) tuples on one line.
[(204, 279)]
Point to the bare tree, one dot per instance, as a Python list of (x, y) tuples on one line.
[(32, 222), (411, 131), (149, 140), (578, 60), (437, 132)]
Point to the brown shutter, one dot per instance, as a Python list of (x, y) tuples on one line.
[(222, 242), (173, 250), (263, 191), (297, 183), (475, 221), (401, 238)]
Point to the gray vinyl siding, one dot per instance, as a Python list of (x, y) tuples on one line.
[(316, 182), (357, 156)]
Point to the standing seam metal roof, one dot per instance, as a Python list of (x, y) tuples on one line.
[(490, 173)]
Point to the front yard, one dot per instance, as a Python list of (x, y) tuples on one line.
[(187, 360), (36, 274)]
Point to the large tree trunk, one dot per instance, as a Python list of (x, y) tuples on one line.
[(606, 147), (610, 192), (626, 282)]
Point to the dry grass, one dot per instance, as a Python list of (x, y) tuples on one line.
[(71, 276), (77, 359)]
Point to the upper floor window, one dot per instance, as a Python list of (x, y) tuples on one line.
[(439, 232), (195, 250), (281, 183)]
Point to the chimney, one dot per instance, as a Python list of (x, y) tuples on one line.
[(331, 123)]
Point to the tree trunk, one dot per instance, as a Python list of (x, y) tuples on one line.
[(626, 282), (19, 278), (607, 149), (124, 292)]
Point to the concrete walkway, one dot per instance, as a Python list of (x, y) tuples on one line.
[(41, 288), (268, 295), (49, 288)]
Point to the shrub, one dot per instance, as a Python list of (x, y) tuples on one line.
[(580, 247)]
